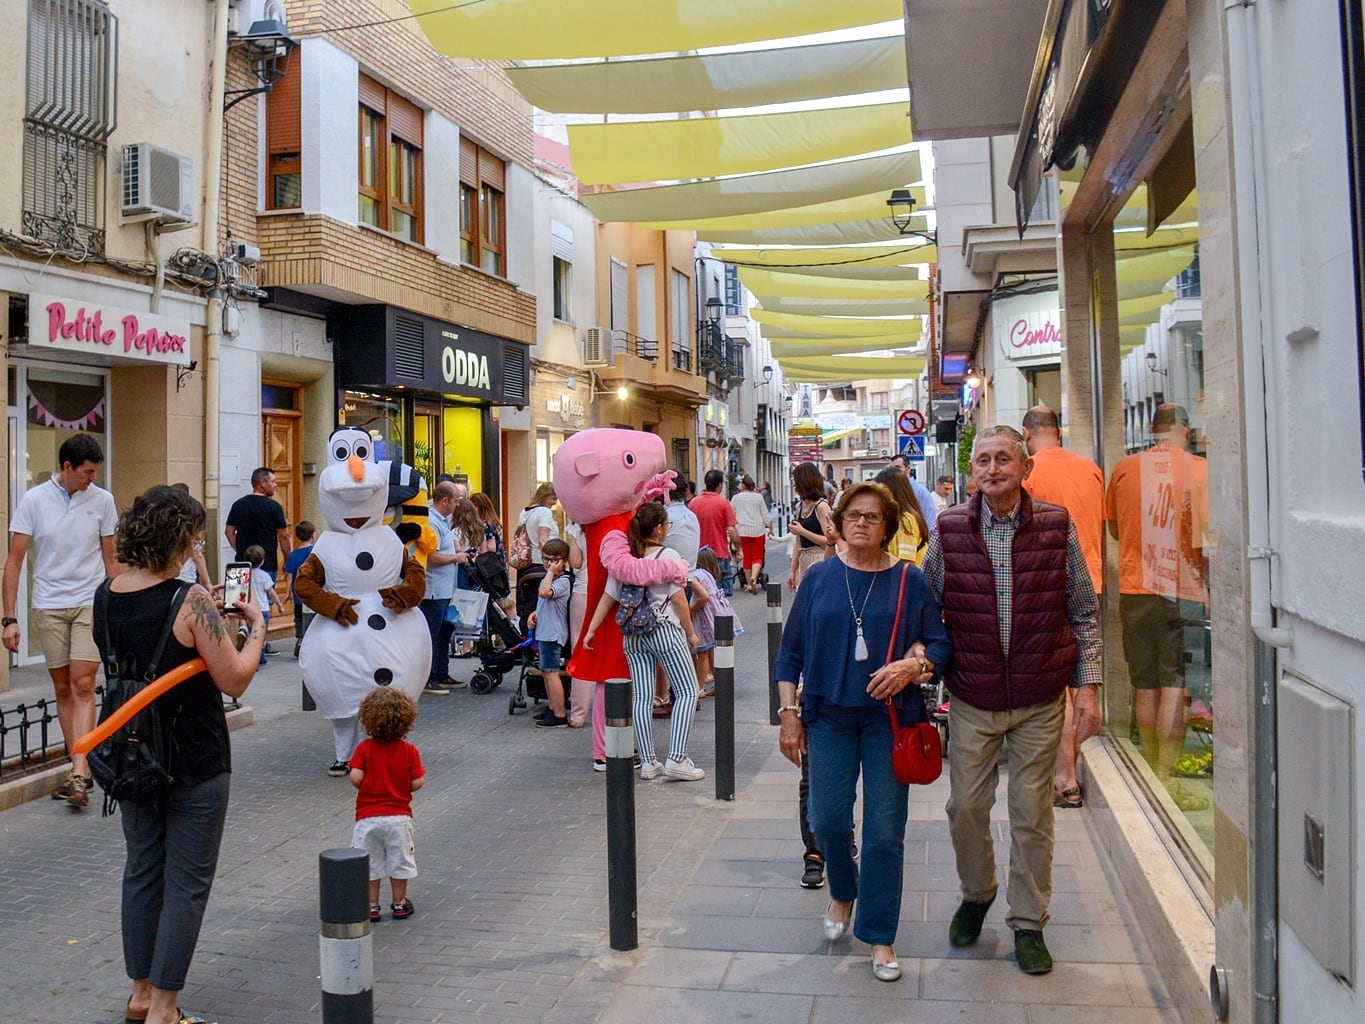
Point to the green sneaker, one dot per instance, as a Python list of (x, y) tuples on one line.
[(1031, 952), (966, 925)]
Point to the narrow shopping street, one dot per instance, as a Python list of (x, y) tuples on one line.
[(511, 921)]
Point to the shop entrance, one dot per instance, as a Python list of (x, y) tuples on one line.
[(47, 405), (281, 430)]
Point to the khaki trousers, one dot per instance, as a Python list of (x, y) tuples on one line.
[(973, 774)]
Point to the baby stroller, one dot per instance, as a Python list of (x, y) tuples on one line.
[(501, 647), (936, 699)]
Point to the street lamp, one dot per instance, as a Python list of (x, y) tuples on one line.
[(1151, 365), (269, 46), (767, 377), (902, 205)]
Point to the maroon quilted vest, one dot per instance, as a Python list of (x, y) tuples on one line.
[(1042, 645)]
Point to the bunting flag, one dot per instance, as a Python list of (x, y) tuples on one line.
[(40, 414)]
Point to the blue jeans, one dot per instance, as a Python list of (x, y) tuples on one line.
[(441, 629), (727, 578), (842, 744)]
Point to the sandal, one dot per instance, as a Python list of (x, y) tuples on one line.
[(402, 910), (663, 708), (1068, 798), (709, 690), (374, 912)]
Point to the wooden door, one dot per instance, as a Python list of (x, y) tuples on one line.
[(281, 430)]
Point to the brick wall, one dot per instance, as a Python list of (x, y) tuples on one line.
[(299, 249)]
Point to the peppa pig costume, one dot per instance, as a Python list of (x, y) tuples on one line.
[(601, 476)]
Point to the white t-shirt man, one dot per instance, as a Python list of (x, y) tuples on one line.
[(67, 530)]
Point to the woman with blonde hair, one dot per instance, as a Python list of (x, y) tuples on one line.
[(911, 542)]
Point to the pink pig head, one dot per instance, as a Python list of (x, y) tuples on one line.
[(603, 471)]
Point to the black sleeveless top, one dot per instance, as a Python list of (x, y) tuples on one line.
[(194, 709), (811, 523)]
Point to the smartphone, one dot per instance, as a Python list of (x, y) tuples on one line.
[(236, 583)]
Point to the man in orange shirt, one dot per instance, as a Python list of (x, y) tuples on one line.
[(1077, 484), (1158, 508)]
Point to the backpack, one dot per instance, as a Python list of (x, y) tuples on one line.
[(519, 552), (134, 764), (636, 614)]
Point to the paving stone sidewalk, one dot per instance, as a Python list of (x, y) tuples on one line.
[(511, 921)]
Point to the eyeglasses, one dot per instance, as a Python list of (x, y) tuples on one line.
[(872, 518)]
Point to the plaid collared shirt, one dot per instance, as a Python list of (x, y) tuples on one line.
[(1082, 609)]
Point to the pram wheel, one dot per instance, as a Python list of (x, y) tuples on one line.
[(515, 703), (482, 682)]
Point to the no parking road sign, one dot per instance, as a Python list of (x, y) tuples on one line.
[(912, 446), (911, 421)]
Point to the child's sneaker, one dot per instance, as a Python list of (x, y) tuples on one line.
[(599, 764), (374, 911), (402, 910)]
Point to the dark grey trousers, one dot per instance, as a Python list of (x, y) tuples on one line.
[(172, 857)]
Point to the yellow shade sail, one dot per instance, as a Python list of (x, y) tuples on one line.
[(846, 307), (708, 147), (831, 259), (850, 232), (851, 367), (777, 284), (835, 436), (847, 208), (793, 326), (563, 29), (843, 346), (757, 193), (716, 81), (1143, 309)]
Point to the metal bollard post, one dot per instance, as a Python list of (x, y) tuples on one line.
[(622, 911), (308, 703), (774, 642), (344, 937), (725, 707)]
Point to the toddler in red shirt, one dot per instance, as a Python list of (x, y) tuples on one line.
[(386, 770)]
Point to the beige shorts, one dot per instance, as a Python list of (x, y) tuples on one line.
[(65, 635)]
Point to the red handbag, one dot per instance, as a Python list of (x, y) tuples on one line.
[(916, 750)]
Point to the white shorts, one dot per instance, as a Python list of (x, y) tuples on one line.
[(388, 841)]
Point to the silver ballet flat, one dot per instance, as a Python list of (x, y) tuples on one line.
[(835, 930), (887, 971)]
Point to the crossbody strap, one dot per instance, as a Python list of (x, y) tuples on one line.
[(891, 647)]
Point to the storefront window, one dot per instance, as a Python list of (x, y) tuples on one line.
[(462, 444), (1158, 659), (381, 416)]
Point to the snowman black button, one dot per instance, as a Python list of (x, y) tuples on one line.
[(364, 561), (383, 676), (376, 622)]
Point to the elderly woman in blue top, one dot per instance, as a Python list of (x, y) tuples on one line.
[(836, 641)]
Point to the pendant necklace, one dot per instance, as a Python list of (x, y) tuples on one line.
[(860, 643)]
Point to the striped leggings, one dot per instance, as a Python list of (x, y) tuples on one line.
[(666, 646)]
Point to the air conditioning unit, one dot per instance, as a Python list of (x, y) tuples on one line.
[(157, 184), (596, 346)]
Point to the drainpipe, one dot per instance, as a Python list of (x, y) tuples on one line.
[(213, 315), (1263, 463)]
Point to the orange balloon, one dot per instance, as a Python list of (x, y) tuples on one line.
[(161, 684)]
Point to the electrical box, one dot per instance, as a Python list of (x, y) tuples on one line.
[(1316, 770)]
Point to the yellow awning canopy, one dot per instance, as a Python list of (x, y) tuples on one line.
[(795, 326), (835, 436), (776, 284), (849, 208), (850, 232), (757, 193), (846, 307), (708, 147), (716, 81), (799, 349), (564, 29), (831, 368), (832, 259)]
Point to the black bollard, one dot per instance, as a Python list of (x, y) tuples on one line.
[(622, 911), (774, 642), (344, 937), (725, 707), (308, 703)]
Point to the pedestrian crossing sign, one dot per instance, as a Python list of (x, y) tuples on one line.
[(911, 446)]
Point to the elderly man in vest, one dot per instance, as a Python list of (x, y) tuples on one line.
[(1017, 599)]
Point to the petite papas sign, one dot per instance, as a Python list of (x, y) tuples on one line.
[(97, 329)]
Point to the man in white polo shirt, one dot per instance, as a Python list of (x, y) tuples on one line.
[(69, 522)]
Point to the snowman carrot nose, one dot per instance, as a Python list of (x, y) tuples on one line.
[(356, 467)]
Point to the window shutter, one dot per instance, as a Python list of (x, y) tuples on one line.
[(405, 120), (283, 131), (469, 162), (491, 171), (561, 241), (372, 94)]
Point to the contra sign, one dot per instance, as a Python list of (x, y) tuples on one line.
[(911, 421)]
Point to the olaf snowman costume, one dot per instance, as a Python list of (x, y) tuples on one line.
[(365, 590)]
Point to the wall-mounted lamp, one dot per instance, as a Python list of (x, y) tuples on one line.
[(268, 45), (184, 373), (1151, 365), (713, 308), (973, 377), (902, 205), (767, 377)]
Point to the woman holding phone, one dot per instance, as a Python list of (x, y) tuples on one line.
[(172, 846)]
